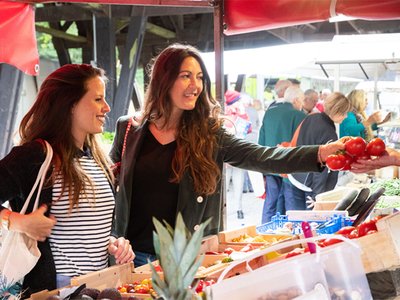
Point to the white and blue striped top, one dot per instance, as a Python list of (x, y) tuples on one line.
[(79, 240)]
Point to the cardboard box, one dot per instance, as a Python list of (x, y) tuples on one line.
[(381, 250)]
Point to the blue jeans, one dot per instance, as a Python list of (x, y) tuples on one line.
[(141, 258), (295, 199), (275, 198), (62, 280)]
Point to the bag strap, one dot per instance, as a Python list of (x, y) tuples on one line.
[(128, 127), (40, 179)]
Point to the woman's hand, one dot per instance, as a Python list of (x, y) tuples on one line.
[(330, 148), (35, 225), (121, 249), (376, 117), (391, 157)]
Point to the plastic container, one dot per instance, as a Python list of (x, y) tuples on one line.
[(302, 276), (344, 271), (329, 225)]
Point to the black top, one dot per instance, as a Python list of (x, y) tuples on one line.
[(153, 166), (317, 129)]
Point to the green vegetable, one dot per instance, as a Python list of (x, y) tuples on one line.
[(391, 186)]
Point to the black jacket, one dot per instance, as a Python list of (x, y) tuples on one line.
[(18, 172), (317, 129), (197, 208)]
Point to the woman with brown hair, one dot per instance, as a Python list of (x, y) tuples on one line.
[(73, 223), (174, 157)]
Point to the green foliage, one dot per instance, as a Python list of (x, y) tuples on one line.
[(46, 48), (177, 252), (107, 137)]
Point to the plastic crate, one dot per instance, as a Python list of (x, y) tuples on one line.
[(330, 225)]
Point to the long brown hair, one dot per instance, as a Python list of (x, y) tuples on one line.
[(50, 118), (196, 138)]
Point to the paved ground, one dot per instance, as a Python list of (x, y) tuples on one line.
[(252, 209)]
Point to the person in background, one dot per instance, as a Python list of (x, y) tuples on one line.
[(235, 110), (280, 87), (295, 82), (309, 102), (318, 129), (174, 155), (357, 123), (73, 223), (279, 125), (323, 95)]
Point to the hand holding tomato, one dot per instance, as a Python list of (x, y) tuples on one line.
[(376, 147), (355, 146)]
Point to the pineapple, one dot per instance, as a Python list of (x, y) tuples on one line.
[(177, 252)]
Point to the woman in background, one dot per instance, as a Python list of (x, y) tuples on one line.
[(318, 129), (357, 123)]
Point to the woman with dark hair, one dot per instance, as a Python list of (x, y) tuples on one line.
[(73, 223), (174, 156)]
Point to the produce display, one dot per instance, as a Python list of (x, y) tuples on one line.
[(355, 148)]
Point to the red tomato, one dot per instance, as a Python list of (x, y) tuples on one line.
[(366, 226), (331, 241), (376, 147), (200, 285), (294, 252), (158, 268), (336, 162), (355, 146), (212, 253), (364, 156), (348, 160), (353, 234), (345, 231), (228, 250)]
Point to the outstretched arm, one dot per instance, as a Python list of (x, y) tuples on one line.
[(391, 157)]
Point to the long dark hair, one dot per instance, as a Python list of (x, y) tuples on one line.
[(50, 118), (196, 137)]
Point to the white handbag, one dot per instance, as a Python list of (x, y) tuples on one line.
[(20, 253)]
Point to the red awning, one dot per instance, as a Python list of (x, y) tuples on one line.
[(255, 15), (17, 37)]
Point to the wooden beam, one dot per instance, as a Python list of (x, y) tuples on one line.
[(160, 31), (61, 34)]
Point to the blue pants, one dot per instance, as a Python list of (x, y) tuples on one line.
[(141, 258), (295, 199), (274, 200)]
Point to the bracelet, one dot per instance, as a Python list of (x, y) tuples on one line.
[(5, 220)]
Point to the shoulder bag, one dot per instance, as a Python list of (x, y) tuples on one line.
[(116, 167), (20, 253)]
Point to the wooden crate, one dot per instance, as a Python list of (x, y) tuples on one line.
[(381, 250), (226, 237)]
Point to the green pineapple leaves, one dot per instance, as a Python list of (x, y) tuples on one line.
[(177, 252)]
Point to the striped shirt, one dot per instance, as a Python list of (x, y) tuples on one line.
[(79, 240)]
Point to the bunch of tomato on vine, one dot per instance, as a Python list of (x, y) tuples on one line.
[(355, 148)]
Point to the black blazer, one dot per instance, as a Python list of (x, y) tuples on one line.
[(197, 208), (18, 172)]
